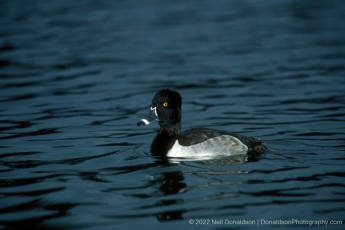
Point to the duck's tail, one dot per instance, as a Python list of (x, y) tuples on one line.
[(263, 149)]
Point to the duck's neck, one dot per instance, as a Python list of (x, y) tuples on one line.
[(172, 128)]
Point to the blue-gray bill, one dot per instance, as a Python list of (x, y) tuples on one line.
[(149, 118)]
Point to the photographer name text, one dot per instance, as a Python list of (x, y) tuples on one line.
[(259, 222)]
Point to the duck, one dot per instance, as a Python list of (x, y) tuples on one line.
[(195, 143)]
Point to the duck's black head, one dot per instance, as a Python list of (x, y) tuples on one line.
[(166, 108)]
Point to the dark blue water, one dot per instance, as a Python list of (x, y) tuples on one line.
[(75, 77)]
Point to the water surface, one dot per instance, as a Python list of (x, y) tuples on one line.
[(76, 77)]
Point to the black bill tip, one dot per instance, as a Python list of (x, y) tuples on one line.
[(140, 123), (143, 122)]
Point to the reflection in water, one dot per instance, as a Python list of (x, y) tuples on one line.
[(220, 160), (174, 183)]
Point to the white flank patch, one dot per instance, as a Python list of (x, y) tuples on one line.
[(214, 147)]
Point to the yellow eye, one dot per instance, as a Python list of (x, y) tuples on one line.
[(165, 104)]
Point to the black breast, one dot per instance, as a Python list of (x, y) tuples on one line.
[(162, 143)]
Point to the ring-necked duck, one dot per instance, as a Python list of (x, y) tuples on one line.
[(196, 143)]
